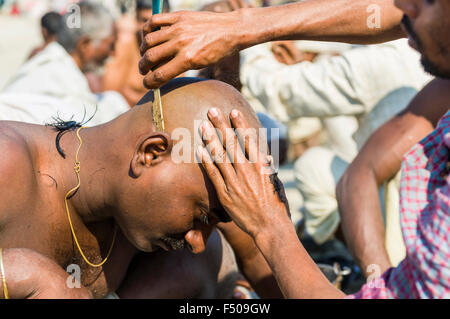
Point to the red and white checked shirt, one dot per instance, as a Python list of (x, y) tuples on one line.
[(425, 223)]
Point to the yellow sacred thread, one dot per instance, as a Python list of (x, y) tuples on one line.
[(77, 169), (2, 270)]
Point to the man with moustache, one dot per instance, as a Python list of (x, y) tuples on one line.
[(425, 184)]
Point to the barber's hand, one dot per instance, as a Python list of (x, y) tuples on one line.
[(187, 41), (244, 187)]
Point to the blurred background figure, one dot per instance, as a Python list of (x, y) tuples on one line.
[(54, 82), (121, 72), (51, 23)]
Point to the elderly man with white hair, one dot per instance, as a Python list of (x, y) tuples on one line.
[(52, 83)]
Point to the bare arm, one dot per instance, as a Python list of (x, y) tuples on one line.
[(378, 161), (193, 40), (251, 261), (30, 275)]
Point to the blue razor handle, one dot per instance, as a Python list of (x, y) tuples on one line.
[(157, 6)]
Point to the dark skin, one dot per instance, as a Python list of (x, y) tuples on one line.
[(120, 161), (194, 40), (257, 209), (48, 38), (121, 72), (378, 161), (227, 69), (88, 52)]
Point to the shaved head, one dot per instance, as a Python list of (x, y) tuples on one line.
[(166, 202), (185, 100)]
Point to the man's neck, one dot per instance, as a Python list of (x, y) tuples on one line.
[(105, 151)]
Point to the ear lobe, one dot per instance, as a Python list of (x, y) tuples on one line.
[(150, 151)]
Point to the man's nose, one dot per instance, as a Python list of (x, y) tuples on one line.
[(409, 7), (198, 237)]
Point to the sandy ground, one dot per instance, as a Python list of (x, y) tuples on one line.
[(18, 36)]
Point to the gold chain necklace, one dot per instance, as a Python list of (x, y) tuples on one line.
[(77, 169)]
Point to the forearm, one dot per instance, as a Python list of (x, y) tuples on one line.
[(361, 217), (324, 20), (30, 275), (260, 277), (251, 262), (296, 273)]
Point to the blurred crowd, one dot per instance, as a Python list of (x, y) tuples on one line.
[(328, 100)]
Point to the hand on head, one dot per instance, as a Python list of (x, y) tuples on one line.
[(246, 185)]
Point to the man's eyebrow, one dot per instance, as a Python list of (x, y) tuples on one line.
[(218, 213)]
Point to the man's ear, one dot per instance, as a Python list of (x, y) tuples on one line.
[(151, 150)]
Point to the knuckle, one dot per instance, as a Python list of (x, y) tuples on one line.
[(148, 39), (213, 174), (146, 82), (188, 60), (158, 76), (150, 56), (142, 67)]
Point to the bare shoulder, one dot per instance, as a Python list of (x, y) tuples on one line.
[(432, 102), (16, 168)]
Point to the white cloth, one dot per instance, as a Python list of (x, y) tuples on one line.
[(350, 84), (51, 84)]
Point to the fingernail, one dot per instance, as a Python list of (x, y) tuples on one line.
[(213, 112), (234, 113)]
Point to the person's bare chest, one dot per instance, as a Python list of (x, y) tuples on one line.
[(45, 228)]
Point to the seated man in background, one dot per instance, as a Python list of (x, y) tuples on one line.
[(133, 197), (53, 82)]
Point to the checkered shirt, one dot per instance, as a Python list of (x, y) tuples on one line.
[(425, 223)]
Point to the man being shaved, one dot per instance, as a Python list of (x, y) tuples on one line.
[(132, 200)]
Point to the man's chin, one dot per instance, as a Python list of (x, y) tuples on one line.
[(146, 247)]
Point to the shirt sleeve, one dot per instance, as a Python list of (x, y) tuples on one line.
[(425, 272)]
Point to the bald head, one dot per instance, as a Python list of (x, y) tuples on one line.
[(162, 194)]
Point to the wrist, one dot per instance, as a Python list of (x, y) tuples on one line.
[(281, 230), (249, 33)]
